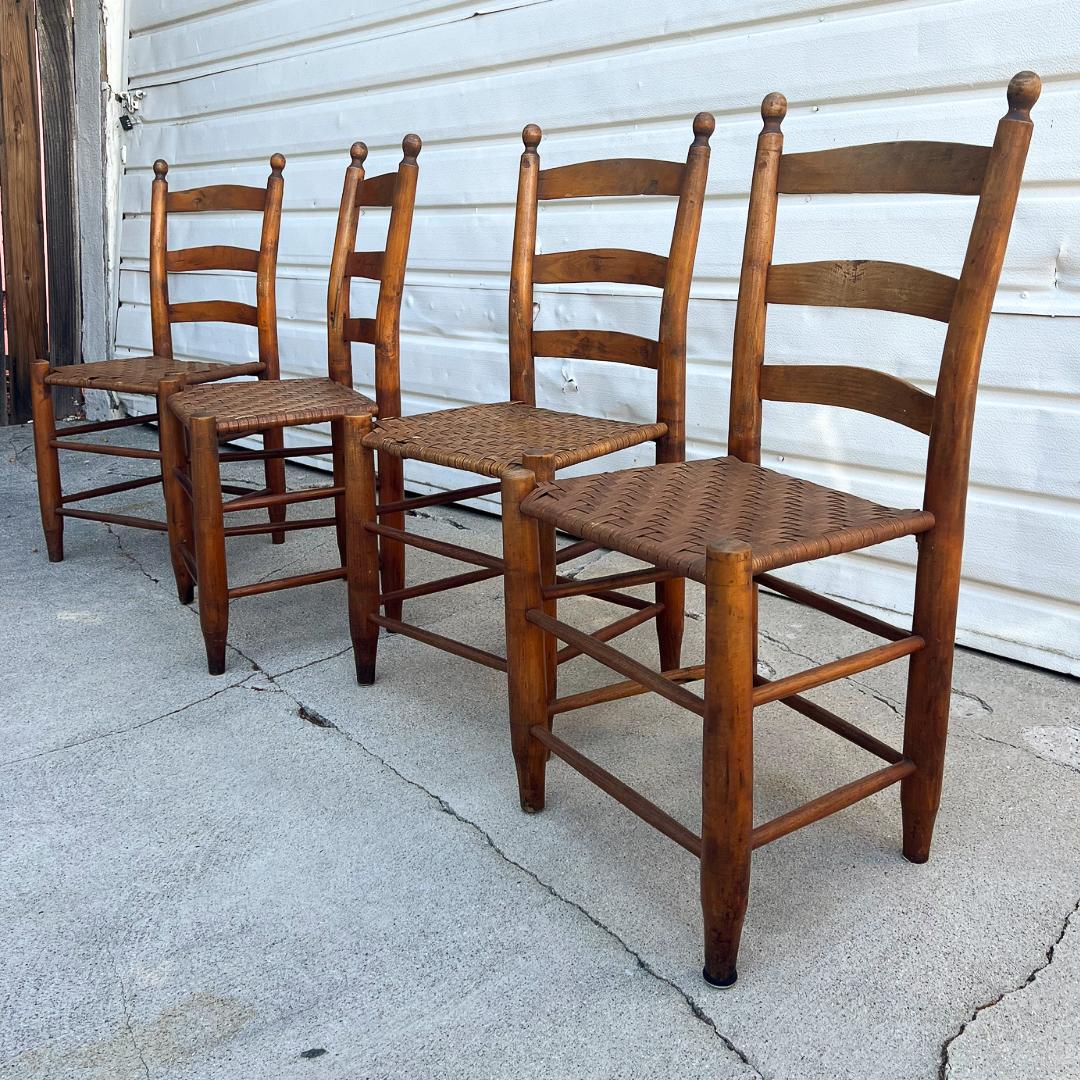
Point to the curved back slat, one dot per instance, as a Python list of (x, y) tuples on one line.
[(618, 176), (365, 264), (596, 345), (223, 311), (863, 283), (847, 387), (219, 197), (601, 264), (377, 190), (213, 257), (929, 168), (262, 262)]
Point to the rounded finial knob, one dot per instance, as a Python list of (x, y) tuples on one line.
[(161, 168), (531, 136), (773, 111), (704, 126), (410, 147), (1024, 90), (358, 152), (277, 163)]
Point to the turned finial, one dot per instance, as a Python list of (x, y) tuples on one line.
[(773, 111), (1024, 90), (358, 151), (277, 163), (531, 136), (161, 168), (704, 126), (411, 146)]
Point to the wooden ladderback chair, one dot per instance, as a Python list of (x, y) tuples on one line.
[(143, 375), (197, 419), (487, 439), (729, 523)]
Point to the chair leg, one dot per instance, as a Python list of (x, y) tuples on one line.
[(177, 507), (526, 669), (274, 470), (671, 621), (392, 489), (548, 570), (337, 441), (209, 522), (727, 774), (47, 460), (929, 691), (361, 546)]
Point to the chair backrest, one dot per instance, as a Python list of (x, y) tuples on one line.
[(262, 262), (396, 190), (672, 273), (993, 174)]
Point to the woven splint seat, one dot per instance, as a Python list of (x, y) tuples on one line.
[(487, 439), (667, 514), (141, 374), (270, 403)]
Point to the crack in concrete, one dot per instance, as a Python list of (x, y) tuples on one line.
[(126, 730), (129, 556), (127, 1022), (944, 1065), (316, 718), (439, 518)]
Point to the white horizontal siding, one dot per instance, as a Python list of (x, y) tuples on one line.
[(226, 85)]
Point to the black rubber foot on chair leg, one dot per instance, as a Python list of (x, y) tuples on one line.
[(721, 984)]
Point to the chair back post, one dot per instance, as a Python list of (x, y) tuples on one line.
[(949, 453), (392, 284), (671, 351), (522, 362), (338, 345), (266, 270), (160, 325), (748, 353)]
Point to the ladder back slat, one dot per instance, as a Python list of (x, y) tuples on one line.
[(361, 330), (365, 264), (863, 283), (212, 257), (608, 345), (930, 168), (224, 311), (619, 176), (377, 190), (217, 197), (849, 387), (601, 264)]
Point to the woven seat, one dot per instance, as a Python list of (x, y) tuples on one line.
[(141, 374), (270, 403), (487, 439), (668, 514)]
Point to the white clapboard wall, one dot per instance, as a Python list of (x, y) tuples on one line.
[(226, 84)]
